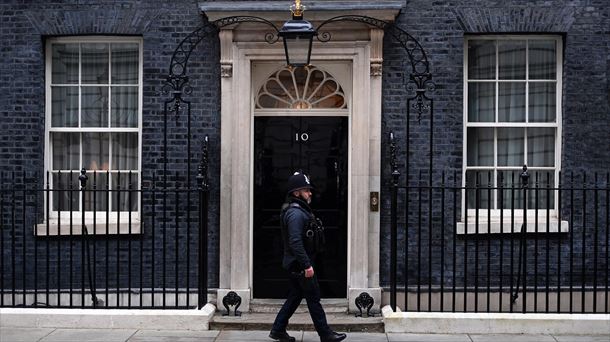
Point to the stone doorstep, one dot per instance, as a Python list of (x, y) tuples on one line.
[(273, 306), (299, 321), (494, 323)]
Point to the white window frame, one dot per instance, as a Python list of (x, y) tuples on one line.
[(494, 214), (103, 226)]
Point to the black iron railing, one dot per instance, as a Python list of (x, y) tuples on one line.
[(144, 245), (525, 243)]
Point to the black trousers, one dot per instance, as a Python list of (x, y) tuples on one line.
[(308, 288)]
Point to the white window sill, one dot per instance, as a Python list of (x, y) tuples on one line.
[(509, 227), (101, 228)]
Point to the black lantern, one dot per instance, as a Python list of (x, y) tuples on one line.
[(298, 36)]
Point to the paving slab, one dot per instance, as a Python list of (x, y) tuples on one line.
[(251, 335), (89, 335), (23, 334), (178, 333), (582, 338), (511, 338), (310, 336), (173, 336), (402, 337)]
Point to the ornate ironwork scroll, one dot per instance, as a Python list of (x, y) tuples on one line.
[(364, 300), (234, 300), (177, 82), (420, 75)]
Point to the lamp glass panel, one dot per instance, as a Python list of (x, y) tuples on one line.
[(297, 49)]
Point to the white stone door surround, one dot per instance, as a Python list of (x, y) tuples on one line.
[(243, 45)]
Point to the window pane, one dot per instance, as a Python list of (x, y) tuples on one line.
[(65, 151), (480, 146), (96, 196), (65, 64), (124, 198), (125, 64), (482, 59), (64, 106), (287, 82), (94, 63), (542, 102), (94, 109), (541, 146), (512, 193), (125, 151), (481, 102), (511, 59), (537, 194), (511, 102), (477, 183), (95, 151), (300, 76), (542, 59), (66, 191), (511, 145), (124, 107)]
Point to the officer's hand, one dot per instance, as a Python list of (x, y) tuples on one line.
[(309, 272)]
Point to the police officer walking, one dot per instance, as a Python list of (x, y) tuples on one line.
[(303, 236)]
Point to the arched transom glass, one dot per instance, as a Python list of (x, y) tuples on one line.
[(301, 88)]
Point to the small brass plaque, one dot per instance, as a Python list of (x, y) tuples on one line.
[(374, 201)]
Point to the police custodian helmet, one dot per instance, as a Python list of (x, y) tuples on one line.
[(298, 181)]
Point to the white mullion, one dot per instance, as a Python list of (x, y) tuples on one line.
[(109, 126), (109, 114), (496, 113), (558, 112), (527, 77), (110, 162), (497, 79), (527, 101), (495, 168), (80, 73), (80, 134)]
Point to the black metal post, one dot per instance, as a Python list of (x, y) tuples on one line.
[(203, 188), (454, 242), (393, 224), (83, 183), (442, 306)]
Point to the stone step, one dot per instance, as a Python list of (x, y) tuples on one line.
[(299, 321), (274, 305)]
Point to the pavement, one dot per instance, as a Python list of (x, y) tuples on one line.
[(9, 334)]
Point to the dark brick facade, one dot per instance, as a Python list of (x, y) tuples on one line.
[(162, 26), (440, 26)]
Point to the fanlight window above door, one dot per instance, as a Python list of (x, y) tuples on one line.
[(301, 88)]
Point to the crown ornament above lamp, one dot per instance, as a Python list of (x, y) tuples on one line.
[(297, 34)]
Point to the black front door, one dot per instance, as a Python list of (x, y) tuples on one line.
[(318, 146)]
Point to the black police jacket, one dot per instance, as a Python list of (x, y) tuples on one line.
[(295, 217)]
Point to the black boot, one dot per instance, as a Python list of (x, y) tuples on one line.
[(281, 336), (333, 337)]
